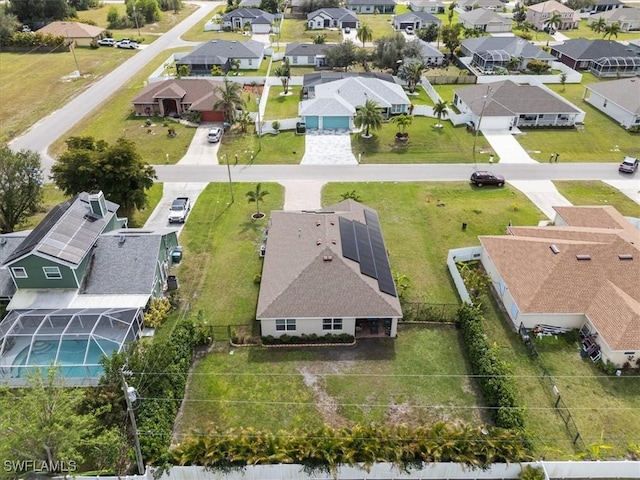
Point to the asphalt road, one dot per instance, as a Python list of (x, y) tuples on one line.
[(46, 131)]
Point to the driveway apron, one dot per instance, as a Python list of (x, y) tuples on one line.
[(543, 193), (328, 149), (302, 194), (507, 147)]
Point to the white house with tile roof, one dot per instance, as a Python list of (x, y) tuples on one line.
[(581, 273)]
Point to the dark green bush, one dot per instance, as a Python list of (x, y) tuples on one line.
[(308, 339)]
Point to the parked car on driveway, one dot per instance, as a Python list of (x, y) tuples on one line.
[(409, 30), (628, 165), (126, 43), (107, 42), (486, 178), (214, 135)]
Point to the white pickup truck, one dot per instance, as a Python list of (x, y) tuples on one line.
[(179, 210)]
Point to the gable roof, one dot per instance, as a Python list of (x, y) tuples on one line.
[(8, 243), (72, 30), (514, 46), (199, 92), (110, 272), (428, 50), (357, 90), (304, 49), (249, 14), (583, 49), (550, 6), (300, 281), (336, 13), (218, 52), (318, 78), (624, 14), (483, 16), (624, 92), (508, 98), (543, 282), (371, 2), (425, 17), (322, 107), (67, 233)]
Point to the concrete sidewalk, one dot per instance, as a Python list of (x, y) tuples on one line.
[(543, 193)]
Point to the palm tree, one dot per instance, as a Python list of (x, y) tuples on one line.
[(319, 39), (183, 71), (555, 21), (364, 33), (230, 98), (611, 30), (368, 117), (257, 196), (235, 64), (411, 72), (513, 64), (440, 109), (283, 72), (402, 121), (599, 25)]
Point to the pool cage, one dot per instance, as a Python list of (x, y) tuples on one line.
[(75, 340), (615, 66), (491, 60)]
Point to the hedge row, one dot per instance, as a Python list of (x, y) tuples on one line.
[(497, 387), (307, 339), (32, 39)]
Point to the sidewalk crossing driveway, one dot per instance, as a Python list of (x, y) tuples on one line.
[(507, 147), (200, 151), (543, 193), (328, 149)]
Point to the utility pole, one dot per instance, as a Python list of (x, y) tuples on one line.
[(135, 17), (475, 137), (226, 155), (130, 395), (73, 52), (259, 124)]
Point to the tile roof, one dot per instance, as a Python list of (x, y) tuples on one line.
[(298, 281), (483, 16), (584, 49), (550, 6), (72, 30), (199, 92), (542, 282), (509, 98), (512, 45), (624, 92)]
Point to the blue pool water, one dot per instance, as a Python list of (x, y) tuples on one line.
[(71, 359)]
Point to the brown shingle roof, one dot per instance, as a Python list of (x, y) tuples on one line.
[(543, 282), (297, 281), (72, 30), (199, 92)]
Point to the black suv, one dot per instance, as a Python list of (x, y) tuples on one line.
[(486, 178)]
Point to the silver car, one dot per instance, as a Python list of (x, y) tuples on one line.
[(214, 135)]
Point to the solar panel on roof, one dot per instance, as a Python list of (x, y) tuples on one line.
[(367, 266), (380, 258), (348, 239)]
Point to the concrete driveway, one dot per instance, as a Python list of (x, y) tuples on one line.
[(201, 152), (506, 146), (159, 218), (543, 193), (328, 149)]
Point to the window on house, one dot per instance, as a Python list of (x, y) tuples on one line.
[(52, 273), (604, 104), (332, 324), (250, 61), (19, 272), (295, 59), (283, 324), (396, 108)]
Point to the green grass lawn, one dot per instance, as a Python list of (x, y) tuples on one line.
[(283, 148), (380, 24), (601, 139), (279, 106), (154, 195), (114, 118), (422, 98), (197, 33), (294, 30), (426, 144), (583, 31), (598, 193)]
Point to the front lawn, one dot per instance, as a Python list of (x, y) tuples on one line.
[(600, 139), (294, 30), (279, 106), (197, 33), (598, 193), (426, 144), (283, 148), (583, 31)]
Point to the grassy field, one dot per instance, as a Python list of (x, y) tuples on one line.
[(601, 139), (379, 23), (294, 30), (598, 193), (197, 33), (284, 148), (114, 118), (279, 106), (426, 144), (583, 31)]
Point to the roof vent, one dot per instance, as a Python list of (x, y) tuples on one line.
[(625, 256), (554, 249), (327, 258), (121, 239), (583, 257), (333, 240), (318, 242), (318, 223)]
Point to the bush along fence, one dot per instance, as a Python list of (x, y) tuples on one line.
[(325, 449), (497, 387)]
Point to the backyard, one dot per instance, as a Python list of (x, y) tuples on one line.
[(583, 31), (198, 34), (280, 106)]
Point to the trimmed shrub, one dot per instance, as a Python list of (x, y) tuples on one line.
[(308, 339)]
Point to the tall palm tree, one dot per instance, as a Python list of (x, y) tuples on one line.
[(364, 33), (368, 117), (611, 30), (257, 196), (599, 25), (440, 110), (555, 21), (411, 72), (230, 99)]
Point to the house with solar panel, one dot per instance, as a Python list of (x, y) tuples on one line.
[(76, 286), (327, 271)]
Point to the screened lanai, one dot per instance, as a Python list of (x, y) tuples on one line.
[(615, 66), (73, 339), (488, 60)]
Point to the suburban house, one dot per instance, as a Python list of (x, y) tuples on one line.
[(506, 105), (627, 18), (259, 20), (175, 97), (78, 284), (311, 80), (332, 18), (489, 54), (416, 20), (335, 103), (634, 46), (429, 54), (604, 6), (221, 53), (81, 33), (540, 14), (468, 5), (603, 58), (303, 54), (582, 273), (327, 271), (619, 99), (372, 6), (429, 6), (485, 20)]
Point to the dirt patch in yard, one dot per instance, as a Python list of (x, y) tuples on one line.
[(325, 403)]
